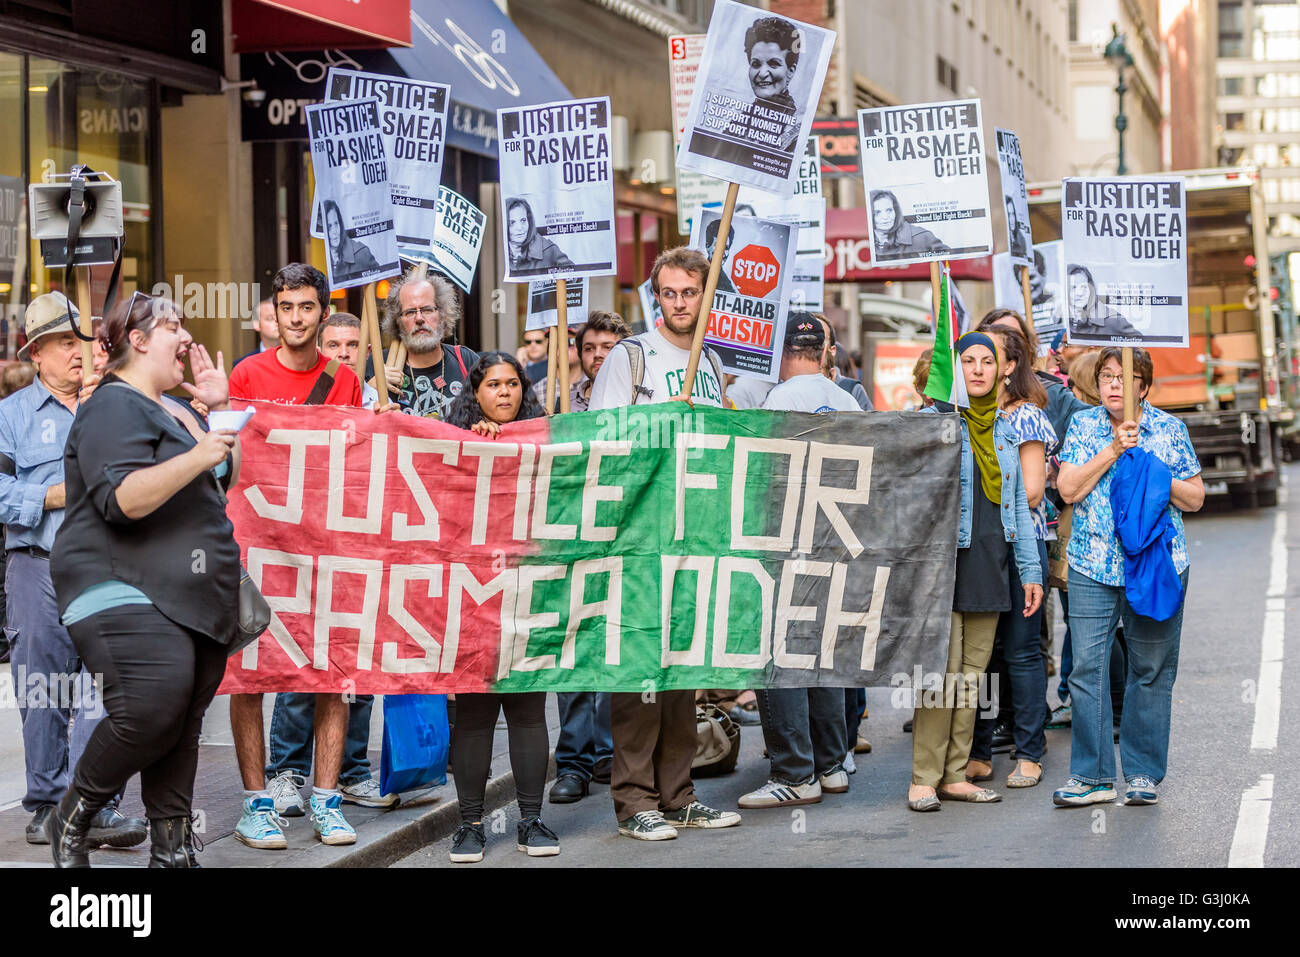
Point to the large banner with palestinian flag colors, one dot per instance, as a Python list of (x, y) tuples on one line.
[(647, 548)]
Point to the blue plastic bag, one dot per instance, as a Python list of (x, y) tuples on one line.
[(416, 742)]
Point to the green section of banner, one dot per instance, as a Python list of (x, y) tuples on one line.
[(650, 522)]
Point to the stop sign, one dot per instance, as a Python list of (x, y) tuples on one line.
[(755, 271)]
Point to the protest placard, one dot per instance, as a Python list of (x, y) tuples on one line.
[(1125, 260), (413, 124), (652, 314), (747, 322), (585, 552), (755, 100), (1014, 197), (557, 189), (693, 189), (1046, 289), (457, 238), (351, 169), (543, 311), (927, 183)]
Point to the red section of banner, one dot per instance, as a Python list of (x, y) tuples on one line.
[(303, 524), (848, 255), (269, 25)]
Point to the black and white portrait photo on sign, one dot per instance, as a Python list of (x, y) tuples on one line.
[(1125, 242), (926, 180), (1046, 289), (557, 190), (352, 192), (1015, 198), (755, 97), (413, 124), (747, 321), (543, 311)]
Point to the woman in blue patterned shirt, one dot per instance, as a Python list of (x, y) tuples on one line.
[(1017, 651), (1095, 442)]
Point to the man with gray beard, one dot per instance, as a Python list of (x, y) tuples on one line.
[(422, 310)]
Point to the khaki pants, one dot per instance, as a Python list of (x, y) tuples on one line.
[(941, 735), (654, 745)]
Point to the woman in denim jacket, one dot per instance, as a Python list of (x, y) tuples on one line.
[(994, 513)]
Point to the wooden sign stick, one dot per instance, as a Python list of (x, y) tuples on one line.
[(85, 308), (363, 347), (935, 278), (370, 318), (551, 343), (1029, 298), (710, 287), (1130, 399), (392, 354), (562, 332)]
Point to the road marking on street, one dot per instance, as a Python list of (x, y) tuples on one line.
[(1268, 693), (1249, 839), (11, 805)]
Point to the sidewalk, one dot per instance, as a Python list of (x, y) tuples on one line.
[(383, 837)]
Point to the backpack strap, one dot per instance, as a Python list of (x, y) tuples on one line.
[(715, 360), (324, 382), (464, 373), (636, 362)]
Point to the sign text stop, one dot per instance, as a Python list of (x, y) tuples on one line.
[(755, 271)]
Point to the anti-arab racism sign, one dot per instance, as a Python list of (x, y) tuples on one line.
[(755, 100), (557, 190), (413, 124), (750, 305), (543, 304), (1014, 197), (1126, 260), (927, 184), (400, 555), (351, 168), (457, 238), (1046, 290)]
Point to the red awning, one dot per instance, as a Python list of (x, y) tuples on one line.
[(267, 25), (848, 255)]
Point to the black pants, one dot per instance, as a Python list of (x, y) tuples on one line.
[(471, 748), (156, 679)]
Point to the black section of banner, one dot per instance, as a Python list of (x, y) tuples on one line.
[(948, 216), (575, 229), (1141, 300), (576, 267)]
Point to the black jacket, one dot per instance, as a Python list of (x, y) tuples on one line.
[(182, 555)]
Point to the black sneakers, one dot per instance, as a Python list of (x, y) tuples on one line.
[(467, 844), (536, 839)]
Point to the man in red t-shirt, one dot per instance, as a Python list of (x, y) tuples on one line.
[(293, 373)]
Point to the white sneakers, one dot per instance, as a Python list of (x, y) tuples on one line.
[(776, 794)]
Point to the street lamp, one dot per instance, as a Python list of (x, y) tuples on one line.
[(1117, 55)]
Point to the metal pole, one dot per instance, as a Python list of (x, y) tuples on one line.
[(1121, 122)]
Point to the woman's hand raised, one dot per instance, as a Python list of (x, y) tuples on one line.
[(211, 386)]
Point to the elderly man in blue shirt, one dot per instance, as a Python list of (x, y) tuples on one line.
[(54, 693)]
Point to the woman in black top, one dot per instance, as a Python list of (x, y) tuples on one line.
[(146, 571), (498, 394)]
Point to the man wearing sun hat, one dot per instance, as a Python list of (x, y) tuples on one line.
[(53, 691)]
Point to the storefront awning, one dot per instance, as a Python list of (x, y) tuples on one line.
[(848, 255), (262, 25), (469, 44)]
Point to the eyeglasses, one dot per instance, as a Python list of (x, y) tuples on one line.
[(1110, 378), (686, 295), (425, 312)]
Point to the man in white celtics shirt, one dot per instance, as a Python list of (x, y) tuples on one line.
[(677, 281), (654, 741)]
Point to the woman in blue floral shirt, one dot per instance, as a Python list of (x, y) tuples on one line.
[(1095, 442), (1017, 651)]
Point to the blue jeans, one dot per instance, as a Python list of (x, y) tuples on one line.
[(585, 737), (293, 725), (1067, 653), (1095, 610), (804, 730), (55, 692), (1024, 699)]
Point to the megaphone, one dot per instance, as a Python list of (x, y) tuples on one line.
[(53, 204)]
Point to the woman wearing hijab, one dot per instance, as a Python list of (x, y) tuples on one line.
[(530, 252), (349, 257), (771, 44), (895, 237), (994, 512)]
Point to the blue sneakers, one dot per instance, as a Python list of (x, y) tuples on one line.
[(259, 826), (1076, 793), (328, 821)]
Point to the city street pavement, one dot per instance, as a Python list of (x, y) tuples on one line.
[(1200, 821)]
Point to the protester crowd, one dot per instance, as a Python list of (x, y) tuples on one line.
[(108, 484)]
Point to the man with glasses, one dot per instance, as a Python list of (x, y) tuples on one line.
[(422, 310), (654, 741)]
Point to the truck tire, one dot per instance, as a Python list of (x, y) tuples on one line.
[(1244, 496), (1267, 497)]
